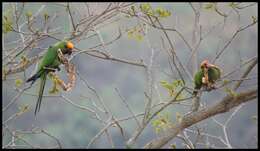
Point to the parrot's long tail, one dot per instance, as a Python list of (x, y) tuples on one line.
[(42, 84), (34, 77), (195, 92), (195, 100)]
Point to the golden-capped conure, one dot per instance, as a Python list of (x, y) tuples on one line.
[(49, 62), (206, 76)]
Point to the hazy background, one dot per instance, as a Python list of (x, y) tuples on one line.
[(75, 127)]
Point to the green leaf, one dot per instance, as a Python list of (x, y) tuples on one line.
[(233, 4), (7, 20), (230, 92), (173, 87), (18, 82), (7, 27), (173, 146), (28, 14), (177, 83), (225, 82), (54, 89), (136, 33), (178, 117), (23, 109), (209, 6), (166, 85), (130, 34), (155, 123), (157, 130), (162, 12), (133, 10), (139, 37), (180, 96), (46, 16), (161, 123), (7, 24), (146, 7), (253, 19), (163, 82)]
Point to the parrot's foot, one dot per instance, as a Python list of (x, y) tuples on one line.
[(32, 83), (213, 87), (51, 69), (58, 68), (210, 87)]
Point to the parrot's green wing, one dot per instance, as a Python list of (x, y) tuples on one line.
[(214, 74), (49, 60), (51, 55), (198, 81)]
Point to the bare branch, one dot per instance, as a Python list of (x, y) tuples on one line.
[(232, 38), (223, 106)]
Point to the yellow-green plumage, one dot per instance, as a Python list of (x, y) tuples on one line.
[(214, 74), (51, 57), (49, 60), (198, 79)]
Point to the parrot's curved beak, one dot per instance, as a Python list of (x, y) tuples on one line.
[(69, 47), (204, 64), (212, 65), (74, 50)]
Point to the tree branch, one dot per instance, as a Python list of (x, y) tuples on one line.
[(223, 106)]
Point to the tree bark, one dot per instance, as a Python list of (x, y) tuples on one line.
[(223, 106)]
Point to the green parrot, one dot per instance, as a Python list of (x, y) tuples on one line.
[(206, 76), (49, 62)]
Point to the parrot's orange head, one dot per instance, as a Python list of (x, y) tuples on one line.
[(69, 47), (204, 64)]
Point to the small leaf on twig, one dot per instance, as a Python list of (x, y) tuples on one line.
[(162, 123), (28, 14), (162, 12), (173, 146), (233, 4), (46, 16), (178, 117), (253, 19), (146, 8), (23, 109), (209, 6), (18, 82), (225, 82), (230, 92)]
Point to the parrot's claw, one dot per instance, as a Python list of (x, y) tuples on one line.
[(213, 87), (210, 87), (32, 83), (51, 69)]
